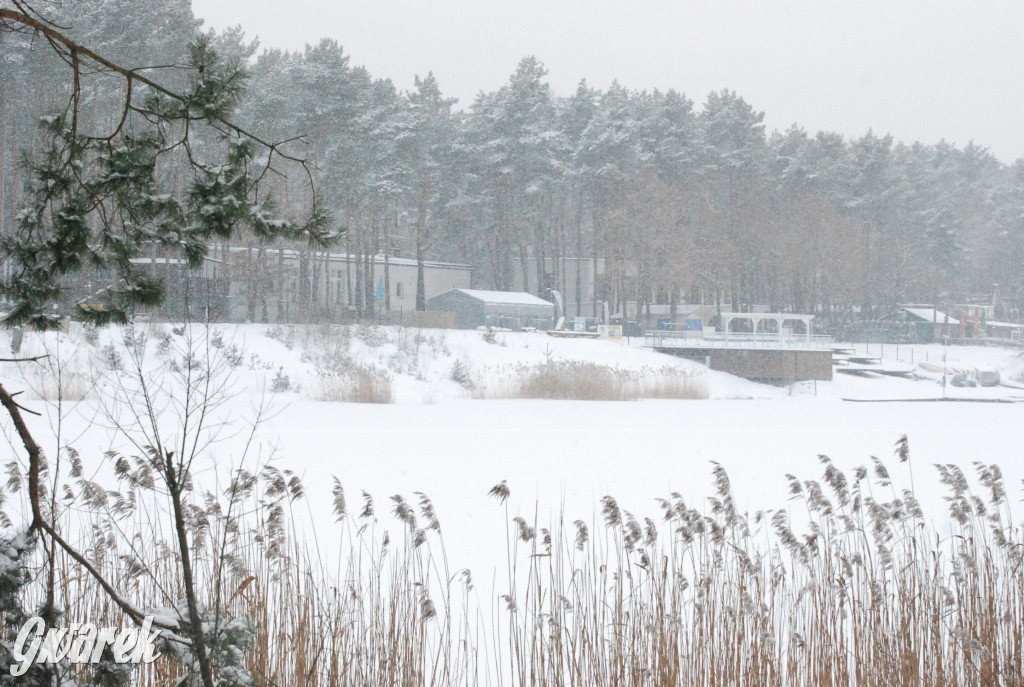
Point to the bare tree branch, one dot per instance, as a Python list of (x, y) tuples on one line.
[(39, 522), (72, 52)]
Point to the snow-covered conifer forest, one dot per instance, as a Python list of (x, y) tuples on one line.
[(324, 495), (689, 187)]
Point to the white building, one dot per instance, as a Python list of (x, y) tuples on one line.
[(285, 285)]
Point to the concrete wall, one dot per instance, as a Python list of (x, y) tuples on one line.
[(773, 366), (424, 319)]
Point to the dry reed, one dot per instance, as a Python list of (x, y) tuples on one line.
[(354, 384), (863, 591), (588, 381)]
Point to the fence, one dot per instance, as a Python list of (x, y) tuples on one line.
[(684, 339)]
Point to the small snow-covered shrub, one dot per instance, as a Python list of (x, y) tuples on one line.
[(163, 340), (233, 356), (257, 363), (372, 335), (91, 334), (284, 334), (439, 346), (281, 382), (229, 642), (111, 358), (16, 551), (460, 375)]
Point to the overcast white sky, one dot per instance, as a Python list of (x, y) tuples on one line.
[(922, 70)]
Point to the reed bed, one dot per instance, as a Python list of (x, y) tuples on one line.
[(868, 593), (578, 380), (354, 384), (849, 583)]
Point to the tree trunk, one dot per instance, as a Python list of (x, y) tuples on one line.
[(594, 229), (282, 279), (579, 257), (360, 287), (348, 270), (368, 290), (174, 488), (387, 266), (421, 246), (250, 290)]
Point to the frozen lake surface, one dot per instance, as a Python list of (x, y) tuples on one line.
[(561, 457)]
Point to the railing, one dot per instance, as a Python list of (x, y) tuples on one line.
[(764, 340)]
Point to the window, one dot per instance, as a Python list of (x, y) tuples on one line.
[(399, 290)]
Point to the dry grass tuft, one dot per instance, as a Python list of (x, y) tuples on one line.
[(354, 384), (53, 383), (575, 380), (59, 377), (673, 383)]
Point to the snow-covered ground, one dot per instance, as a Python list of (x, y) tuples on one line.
[(437, 439)]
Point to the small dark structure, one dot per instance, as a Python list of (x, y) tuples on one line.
[(930, 323), (505, 309)]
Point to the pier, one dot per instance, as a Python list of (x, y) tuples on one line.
[(778, 356)]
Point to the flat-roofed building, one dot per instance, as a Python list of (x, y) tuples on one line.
[(505, 309)]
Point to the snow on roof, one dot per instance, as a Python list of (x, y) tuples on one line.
[(166, 261), (931, 315), (156, 261), (997, 323), (505, 297)]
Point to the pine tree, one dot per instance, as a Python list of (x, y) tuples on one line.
[(97, 197)]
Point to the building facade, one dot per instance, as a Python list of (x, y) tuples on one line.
[(284, 285)]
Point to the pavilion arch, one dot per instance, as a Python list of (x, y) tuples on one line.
[(756, 318)]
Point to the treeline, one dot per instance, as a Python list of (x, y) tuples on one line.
[(675, 201)]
